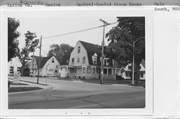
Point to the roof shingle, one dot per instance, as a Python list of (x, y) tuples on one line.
[(91, 50), (66, 57), (43, 60)]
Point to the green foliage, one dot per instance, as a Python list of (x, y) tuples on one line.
[(13, 43), (121, 38), (59, 50)]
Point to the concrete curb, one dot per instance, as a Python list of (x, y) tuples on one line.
[(23, 92)]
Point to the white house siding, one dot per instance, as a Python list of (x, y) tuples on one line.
[(127, 72), (142, 72), (48, 69), (109, 73), (88, 73), (63, 72), (77, 67), (80, 55), (33, 67), (15, 64)]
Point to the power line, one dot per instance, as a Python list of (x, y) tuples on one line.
[(78, 31)]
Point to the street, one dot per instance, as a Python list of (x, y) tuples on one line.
[(74, 94)]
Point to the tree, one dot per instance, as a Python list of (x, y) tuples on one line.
[(13, 42), (30, 44), (121, 38), (59, 50)]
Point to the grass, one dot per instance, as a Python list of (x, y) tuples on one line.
[(108, 82), (22, 89), (34, 83), (18, 84)]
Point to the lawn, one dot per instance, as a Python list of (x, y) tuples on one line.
[(22, 89)]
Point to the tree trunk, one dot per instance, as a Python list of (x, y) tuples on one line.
[(137, 73), (22, 69), (132, 71)]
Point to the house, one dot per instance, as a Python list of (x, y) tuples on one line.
[(48, 66), (84, 61), (14, 66), (127, 71)]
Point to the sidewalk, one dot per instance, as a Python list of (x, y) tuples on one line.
[(25, 87), (107, 82)]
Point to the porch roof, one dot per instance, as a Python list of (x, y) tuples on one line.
[(67, 66)]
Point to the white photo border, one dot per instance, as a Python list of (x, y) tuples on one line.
[(80, 12)]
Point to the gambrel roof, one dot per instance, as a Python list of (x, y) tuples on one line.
[(91, 50)]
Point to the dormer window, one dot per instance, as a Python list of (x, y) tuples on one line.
[(84, 60), (73, 60), (79, 49), (94, 58), (52, 60)]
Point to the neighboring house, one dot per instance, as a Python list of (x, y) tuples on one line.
[(84, 61), (127, 71), (48, 66), (14, 66)]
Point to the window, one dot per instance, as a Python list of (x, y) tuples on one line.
[(142, 74), (129, 67), (88, 70), (73, 60), (127, 74), (95, 60), (78, 60), (109, 71), (11, 69), (84, 69), (93, 70), (52, 60), (79, 49), (84, 60), (105, 71)]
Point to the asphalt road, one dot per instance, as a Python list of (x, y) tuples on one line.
[(78, 94)]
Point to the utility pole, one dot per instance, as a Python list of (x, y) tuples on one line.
[(33, 65), (133, 82), (39, 58), (102, 51), (132, 66)]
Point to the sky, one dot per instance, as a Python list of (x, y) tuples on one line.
[(50, 26)]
